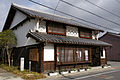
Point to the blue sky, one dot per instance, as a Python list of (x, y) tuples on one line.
[(111, 5)]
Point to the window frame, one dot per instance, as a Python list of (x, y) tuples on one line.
[(49, 22), (75, 61), (85, 31)]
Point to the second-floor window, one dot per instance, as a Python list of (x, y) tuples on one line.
[(56, 28), (84, 33)]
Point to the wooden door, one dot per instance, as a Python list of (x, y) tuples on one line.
[(95, 57), (34, 58)]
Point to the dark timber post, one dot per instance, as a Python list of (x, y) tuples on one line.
[(40, 64)]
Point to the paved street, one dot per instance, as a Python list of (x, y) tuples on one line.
[(110, 75)]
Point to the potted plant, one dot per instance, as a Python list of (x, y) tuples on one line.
[(81, 70), (89, 67), (109, 65), (64, 72), (53, 73), (73, 71), (106, 66)]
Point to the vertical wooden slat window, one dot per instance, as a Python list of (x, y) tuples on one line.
[(79, 54), (85, 33), (62, 54), (86, 55), (66, 54), (58, 54), (56, 28), (69, 55)]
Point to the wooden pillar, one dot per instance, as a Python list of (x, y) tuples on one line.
[(40, 63), (90, 56), (55, 57)]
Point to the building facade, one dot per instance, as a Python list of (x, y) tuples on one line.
[(53, 42)]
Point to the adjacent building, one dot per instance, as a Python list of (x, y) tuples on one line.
[(114, 51), (52, 42)]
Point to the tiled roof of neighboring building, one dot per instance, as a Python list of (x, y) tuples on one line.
[(51, 17), (110, 33), (114, 34), (42, 37)]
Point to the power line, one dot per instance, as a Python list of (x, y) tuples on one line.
[(72, 16), (102, 8), (90, 12), (56, 6)]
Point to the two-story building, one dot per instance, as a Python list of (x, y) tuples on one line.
[(53, 42)]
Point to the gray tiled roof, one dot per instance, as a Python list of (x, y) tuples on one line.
[(42, 37), (52, 17)]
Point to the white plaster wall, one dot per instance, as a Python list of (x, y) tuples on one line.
[(72, 31), (30, 41), (97, 36), (22, 31), (103, 54), (41, 26), (93, 35), (49, 52), (17, 18)]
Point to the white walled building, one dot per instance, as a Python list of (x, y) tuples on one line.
[(53, 42)]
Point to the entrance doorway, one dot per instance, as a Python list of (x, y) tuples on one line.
[(36, 58), (96, 56)]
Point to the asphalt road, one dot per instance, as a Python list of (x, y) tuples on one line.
[(104, 75), (109, 75)]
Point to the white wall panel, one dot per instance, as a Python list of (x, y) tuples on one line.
[(49, 52), (72, 31)]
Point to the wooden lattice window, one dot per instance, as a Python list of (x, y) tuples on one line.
[(85, 33), (79, 55), (56, 28), (72, 55)]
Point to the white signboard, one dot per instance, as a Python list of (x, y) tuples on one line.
[(21, 64)]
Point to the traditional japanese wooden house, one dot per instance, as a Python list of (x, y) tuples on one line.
[(114, 51), (53, 42)]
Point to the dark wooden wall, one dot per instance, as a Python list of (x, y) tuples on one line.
[(103, 61), (49, 66), (18, 53)]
